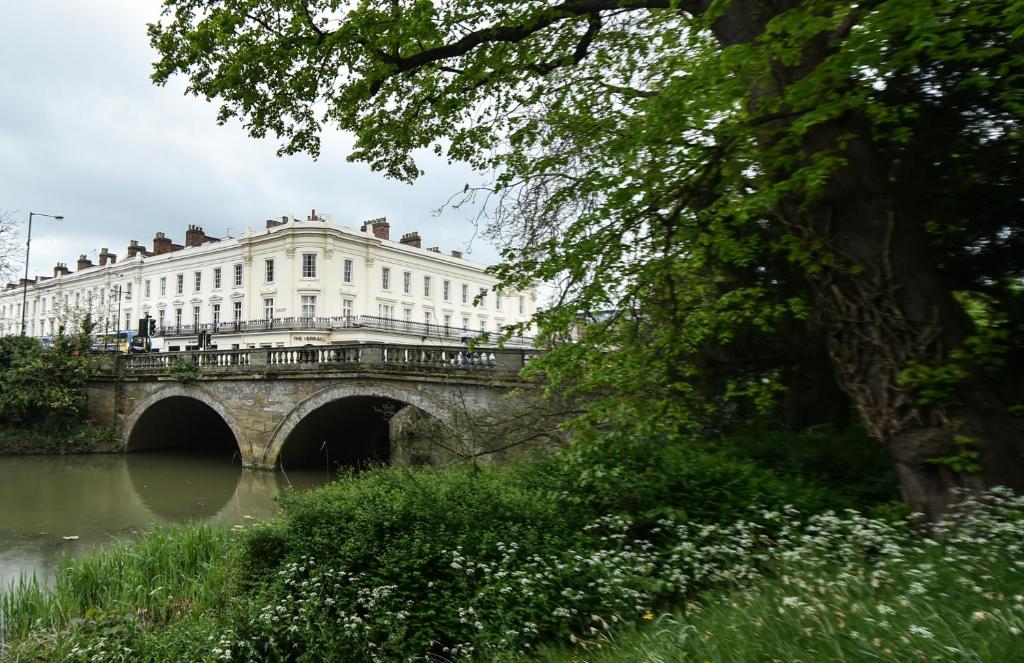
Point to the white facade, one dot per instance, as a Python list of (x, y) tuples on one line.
[(293, 283)]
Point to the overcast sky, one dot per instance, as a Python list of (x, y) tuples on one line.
[(84, 133)]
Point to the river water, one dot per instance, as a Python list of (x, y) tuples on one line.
[(95, 499)]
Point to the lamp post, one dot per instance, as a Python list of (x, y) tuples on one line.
[(28, 246)]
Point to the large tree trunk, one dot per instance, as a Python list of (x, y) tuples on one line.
[(880, 292), (888, 310)]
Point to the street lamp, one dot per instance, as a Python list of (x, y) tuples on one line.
[(28, 245)]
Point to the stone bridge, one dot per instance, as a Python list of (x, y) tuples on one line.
[(292, 407)]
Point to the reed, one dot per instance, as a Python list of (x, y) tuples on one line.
[(163, 573)]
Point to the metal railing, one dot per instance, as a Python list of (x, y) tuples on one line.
[(335, 323)]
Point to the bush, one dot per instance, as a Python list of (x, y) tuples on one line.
[(650, 480), (855, 471), (40, 385), (397, 564), (376, 559)]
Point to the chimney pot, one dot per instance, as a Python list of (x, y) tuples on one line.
[(434, 249), (83, 262)]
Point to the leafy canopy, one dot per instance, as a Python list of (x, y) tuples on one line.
[(644, 156)]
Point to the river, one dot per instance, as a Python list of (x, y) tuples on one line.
[(51, 505)]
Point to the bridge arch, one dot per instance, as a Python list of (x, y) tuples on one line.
[(188, 391), (387, 392)]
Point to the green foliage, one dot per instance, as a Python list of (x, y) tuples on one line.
[(39, 385), (852, 470), (718, 176), (184, 369), (651, 480), (160, 576), (956, 599)]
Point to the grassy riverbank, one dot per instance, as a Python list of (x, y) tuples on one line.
[(558, 559)]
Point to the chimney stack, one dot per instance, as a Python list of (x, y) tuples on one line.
[(411, 239), (456, 254), (434, 249), (107, 256), (380, 227), (134, 249), (61, 270), (163, 244), (272, 222), (83, 262), (194, 236)]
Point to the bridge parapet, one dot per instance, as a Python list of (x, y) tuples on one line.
[(338, 358)]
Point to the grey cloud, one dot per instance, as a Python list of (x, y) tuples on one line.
[(85, 134)]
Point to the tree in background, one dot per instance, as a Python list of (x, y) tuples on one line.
[(10, 244), (710, 171)]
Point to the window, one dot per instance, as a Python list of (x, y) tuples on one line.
[(465, 322), (146, 291), (427, 317), (177, 317), (128, 292), (522, 305), (238, 275), (309, 306), (447, 321), (426, 286), (385, 278), (497, 301), (309, 265), (163, 286), (180, 284), (407, 282), (386, 310), (347, 272), (346, 308), (465, 293), (446, 290), (198, 280), (483, 325), (216, 278), (407, 314), (238, 311), (268, 270), (195, 316), (483, 296), (216, 315), (268, 308), (160, 318)]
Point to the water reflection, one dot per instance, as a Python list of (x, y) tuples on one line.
[(100, 497)]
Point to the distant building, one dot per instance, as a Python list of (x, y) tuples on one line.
[(294, 282)]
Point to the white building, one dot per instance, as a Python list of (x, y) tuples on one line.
[(291, 283)]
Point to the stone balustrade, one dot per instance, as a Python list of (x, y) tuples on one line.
[(378, 356)]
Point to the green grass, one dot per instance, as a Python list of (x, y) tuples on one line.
[(164, 573)]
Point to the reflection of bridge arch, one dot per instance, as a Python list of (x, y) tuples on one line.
[(203, 400), (366, 393)]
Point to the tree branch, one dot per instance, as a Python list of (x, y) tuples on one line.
[(513, 33)]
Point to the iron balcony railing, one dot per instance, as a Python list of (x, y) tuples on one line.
[(371, 322)]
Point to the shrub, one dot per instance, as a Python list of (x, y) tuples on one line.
[(375, 557), (855, 471), (650, 480), (40, 385)]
